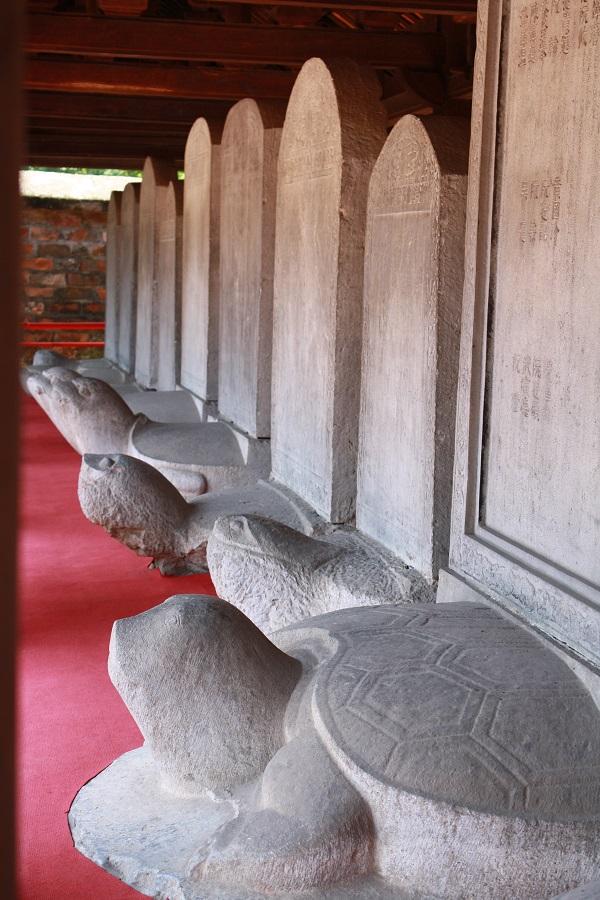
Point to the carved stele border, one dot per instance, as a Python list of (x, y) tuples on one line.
[(200, 266), (552, 597), (157, 174), (169, 287), (113, 253), (249, 150), (128, 257)]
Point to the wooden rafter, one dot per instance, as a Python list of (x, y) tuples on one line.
[(117, 112), (143, 80), (102, 37)]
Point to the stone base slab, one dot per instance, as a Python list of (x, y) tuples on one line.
[(125, 823)]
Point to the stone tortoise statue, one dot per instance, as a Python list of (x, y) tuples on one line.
[(265, 556), (196, 456), (418, 751), (142, 509)]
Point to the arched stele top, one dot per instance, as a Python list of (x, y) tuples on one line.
[(412, 303), (127, 311), (113, 250), (169, 287), (156, 175), (249, 150), (200, 265), (333, 131)]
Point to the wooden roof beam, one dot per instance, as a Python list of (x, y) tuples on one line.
[(142, 80), (120, 111), (425, 7), (100, 127), (205, 42), (49, 145)]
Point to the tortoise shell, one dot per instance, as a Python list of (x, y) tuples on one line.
[(456, 703)]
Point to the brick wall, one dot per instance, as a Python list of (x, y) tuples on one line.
[(64, 262)]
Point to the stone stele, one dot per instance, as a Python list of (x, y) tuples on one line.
[(249, 149), (169, 288), (525, 524), (113, 252), (382, 752), (412, 297), (157, 174), (334, 128), (130, 203), (200, 265), (194, 456), (412, 302)]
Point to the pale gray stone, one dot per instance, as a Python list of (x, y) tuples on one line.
[(128, 275), (334, 129), (101, 368), (156, 177), (590, 891), (169, 240), (412, 302), (141, 508), (249, 149), (195, 456), (155, 833), (113, 251), (193, 645), (200, 264), (162, 406), (442, 750), (413, 288), (278, 576), (525, 524), (49, 358), (71, 401)]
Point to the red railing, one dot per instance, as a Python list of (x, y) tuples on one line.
[(62, 326)]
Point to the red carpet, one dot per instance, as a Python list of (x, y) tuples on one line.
[(75, 580)]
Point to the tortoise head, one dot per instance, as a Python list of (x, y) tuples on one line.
[(206, 688), (134, 503), (89, 413)]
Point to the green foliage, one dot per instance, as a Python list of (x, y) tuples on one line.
[(129, 173)]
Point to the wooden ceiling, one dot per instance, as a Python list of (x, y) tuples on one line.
[(109, 81)]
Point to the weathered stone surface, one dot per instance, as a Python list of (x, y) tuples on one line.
[(101, 368), (156, 177), (334, 129), (443, 747), (71, 401), (278, 576), (200, 264), (50, 358), (590, 891), (169, 288), (413, 288), (128, 276), (249, 149), (193, 643), (156, 833), (525, 518), (177, 407), (201, 456), (412, 302), (113, 252), (195, 456), (141, 507)]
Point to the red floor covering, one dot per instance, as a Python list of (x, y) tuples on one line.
[(75, 580)]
